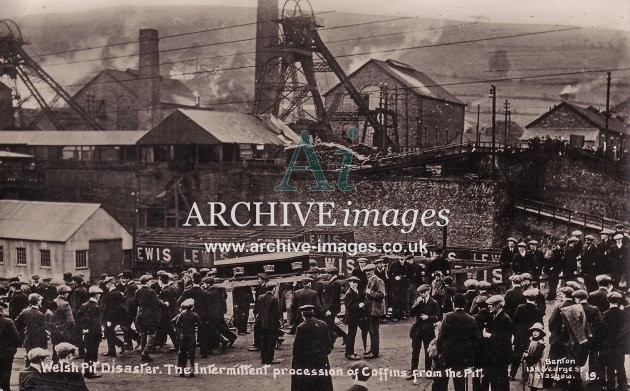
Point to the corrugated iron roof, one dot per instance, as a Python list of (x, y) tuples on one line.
[(70, 137), (42, 221), (213, 127)]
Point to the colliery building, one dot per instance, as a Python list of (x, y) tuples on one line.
[(131, 99), (50, 238), (415, 110), (580, 127)]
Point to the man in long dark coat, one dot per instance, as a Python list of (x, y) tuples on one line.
[(8, 347), (148, 315), (268, 317), (310, 352), (498, 335), (456, 342), (113, 315)]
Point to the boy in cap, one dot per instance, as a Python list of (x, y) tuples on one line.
[(89, 319), (185, 325)]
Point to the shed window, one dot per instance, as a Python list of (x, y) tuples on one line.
[(81, 259), (44, 256), (21, 255)]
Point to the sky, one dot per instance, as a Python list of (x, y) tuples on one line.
[(613, 14)]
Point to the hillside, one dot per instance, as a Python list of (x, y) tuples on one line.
[(459, 67)]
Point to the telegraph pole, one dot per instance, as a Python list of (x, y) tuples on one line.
[(478, 112), (606, 133), (493, 94), (506, 108)]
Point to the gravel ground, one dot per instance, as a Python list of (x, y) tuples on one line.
[(395, 356)]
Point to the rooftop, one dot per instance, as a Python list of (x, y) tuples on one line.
[(43, 221)]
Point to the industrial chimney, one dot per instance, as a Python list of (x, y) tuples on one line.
[(149, 78), (266, 30)]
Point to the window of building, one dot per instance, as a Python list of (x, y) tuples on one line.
[(1, 255), (44, 256), (21, 256), (81, 259)]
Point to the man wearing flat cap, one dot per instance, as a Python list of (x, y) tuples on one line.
[(599, 297), (268, 316), (168, 292), (32, 325), (398, 273), (304, 296), (35, 286), (202, 308), (618, 259), (310, 351), (525, 316), (571, 255), (128, 288), (63, 319), (355, 317), (514, 296), (375, 308), (18, 300), (427, 312), (521, 263), (505, 260), (10, 340), (614, 343), (498, 336), (589, 262), (471, 292), (553, 267), (113, 315), (147, 317), (89, 319), (537, 259), (456, 342), (242, 298), (32, 378)]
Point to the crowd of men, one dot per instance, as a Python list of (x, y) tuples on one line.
[(492, 327)]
